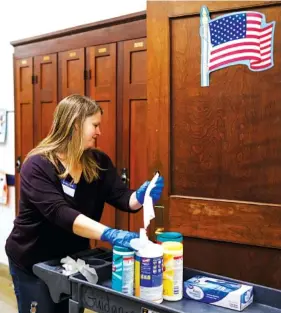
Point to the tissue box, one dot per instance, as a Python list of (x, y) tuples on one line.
[(218, 292)]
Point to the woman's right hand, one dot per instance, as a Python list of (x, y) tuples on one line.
[(118, 237)]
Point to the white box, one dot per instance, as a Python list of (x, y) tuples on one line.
[(218, 292)]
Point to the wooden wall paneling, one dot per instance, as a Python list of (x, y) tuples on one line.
[(217, 146), (233, 133), (226, 220), (101, 69), (134, 117), (23, 113), (71, 72), (259, 265), (45, 94)]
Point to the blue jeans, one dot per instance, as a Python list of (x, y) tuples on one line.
[(33, 294)]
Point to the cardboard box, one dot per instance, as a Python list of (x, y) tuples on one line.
[(218, 292)]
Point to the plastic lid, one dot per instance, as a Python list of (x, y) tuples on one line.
[(169, 236), (172, 245), (122, 249), (137, 244)]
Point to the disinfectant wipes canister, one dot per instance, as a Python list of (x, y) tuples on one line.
[(123, 270), (218, 292), (173, 270), (149, 273)]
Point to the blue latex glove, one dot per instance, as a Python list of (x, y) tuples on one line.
[(155, 192), (118, 237)]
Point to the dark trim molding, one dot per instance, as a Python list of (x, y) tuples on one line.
[(101, 36)]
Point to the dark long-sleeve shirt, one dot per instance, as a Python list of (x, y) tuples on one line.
[(43, 228)]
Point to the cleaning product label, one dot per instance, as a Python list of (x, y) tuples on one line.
[(218, 292), (123, 273), (172, 275), (173, 270), (149, 278)]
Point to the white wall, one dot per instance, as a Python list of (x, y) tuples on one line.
[(21, 19)]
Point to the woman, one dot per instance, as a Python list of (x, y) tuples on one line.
[(65, 182)]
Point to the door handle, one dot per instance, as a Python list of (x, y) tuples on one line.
[(159, 230), (18, 164), (124, 176), (159, 219)]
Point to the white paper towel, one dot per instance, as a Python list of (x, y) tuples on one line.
[(148, 209), (148, 215), (71, 267)]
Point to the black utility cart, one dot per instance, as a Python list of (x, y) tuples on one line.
[(101, 298)]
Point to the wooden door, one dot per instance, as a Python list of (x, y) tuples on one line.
[(45, 94), (24, 114), (101, 86), (218, 147), (71, 73), (134, 110)]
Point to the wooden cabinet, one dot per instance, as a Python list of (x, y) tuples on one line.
[(105, 61), (218, 146)]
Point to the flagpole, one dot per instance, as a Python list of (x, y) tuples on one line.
[(204, 33)]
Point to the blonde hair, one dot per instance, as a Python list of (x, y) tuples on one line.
[(70, 113)]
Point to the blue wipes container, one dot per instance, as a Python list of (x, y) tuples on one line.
[(123, 270)]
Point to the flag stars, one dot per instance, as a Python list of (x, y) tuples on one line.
[(228, 28)]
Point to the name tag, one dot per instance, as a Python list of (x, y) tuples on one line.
[(68, 188)]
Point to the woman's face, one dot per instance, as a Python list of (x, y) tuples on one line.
[(91, 130)]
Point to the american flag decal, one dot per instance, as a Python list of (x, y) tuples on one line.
[(236, 38)]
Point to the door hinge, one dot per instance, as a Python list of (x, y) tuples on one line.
[(34, 79), (87, 74)]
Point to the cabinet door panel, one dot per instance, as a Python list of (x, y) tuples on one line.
[(101, 86), (101, 62), (45, 94), (24, 113), (71, 73), (134, 118)]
